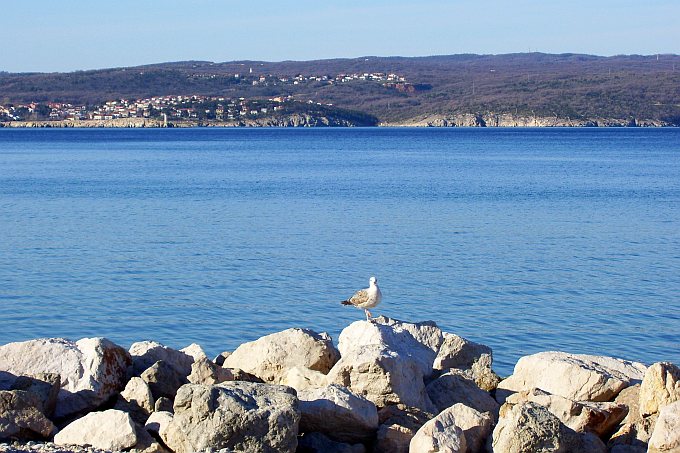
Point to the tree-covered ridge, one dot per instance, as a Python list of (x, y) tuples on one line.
[(395, 89)]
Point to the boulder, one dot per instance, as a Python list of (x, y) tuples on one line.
[(666, 434), (157, 423), (270, 357), (203, 371), (457, 352), (221, 357), (574, 376), (195, 351), (338, 413), (304, 379), (108, 430), (476, 426), (454, 387), (136, 399), (598, 418), (20, 417), (318, 443), (146, 353), (242, 416), (45, 386), (163, 379), (529, 427), (441, 434), (635, 430), (91, 370), (237, 374), (382, 376), (660, 387), (417, 342), (163, 404), (398, 425)]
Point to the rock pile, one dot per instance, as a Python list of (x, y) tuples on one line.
[(389, 386)]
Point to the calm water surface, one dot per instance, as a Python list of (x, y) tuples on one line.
[(525, 240)]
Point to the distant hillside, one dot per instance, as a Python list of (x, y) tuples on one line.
[(566, 86)]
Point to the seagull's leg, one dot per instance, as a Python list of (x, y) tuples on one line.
[(368, 315)]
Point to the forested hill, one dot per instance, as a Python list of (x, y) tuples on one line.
[(395, 89)]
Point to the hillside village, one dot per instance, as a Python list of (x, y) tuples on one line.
[(197, 107)]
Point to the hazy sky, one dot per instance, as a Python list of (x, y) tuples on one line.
[(65, 35)]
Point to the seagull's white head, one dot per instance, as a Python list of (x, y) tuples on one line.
[(373, 281)]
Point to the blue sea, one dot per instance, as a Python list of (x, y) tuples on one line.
[(522, 239)]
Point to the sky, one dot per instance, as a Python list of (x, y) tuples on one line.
[(68, 35)]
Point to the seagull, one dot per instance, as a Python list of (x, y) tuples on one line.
[(366, 298)]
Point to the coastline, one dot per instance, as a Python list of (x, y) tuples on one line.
[(490, 120), (388, 386)]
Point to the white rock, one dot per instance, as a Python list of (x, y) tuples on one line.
[(136, 399), (195, 351), (441, 434), (457, 352), (454, 387), (382, 376), (338, 413), (270, 357), (241, 416), (660, 387), (598, 418), (158, 422), (108, 430), (476, 426), (529, 427), (574, 376), (91, 369), (416, 342), (20, 417), (304, 379), (146, 353), (666, 434)]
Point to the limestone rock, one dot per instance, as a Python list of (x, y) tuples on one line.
[(146, 353), (476, 426), (304, 379), (416, 342), (426, 332), (195, 351), (163, 379), (136, 399), (270, 357), (574, 376), (398, 425), (221, 357), (660, 387), (237, 374), (337, 413), (454, 387), (382, 376), (666, 434), (203, 371), (598, 418), (163, 404), (237, 415), (109, 430), (91, 370), (318, 443), (20, 417), (634, 432), (529, 427), (457, 352), (45, 386), (441, 434), (158, 422)]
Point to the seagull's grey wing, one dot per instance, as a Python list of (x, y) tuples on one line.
[(360, 297)]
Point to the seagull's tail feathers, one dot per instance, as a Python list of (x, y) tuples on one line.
[(346, 302)]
